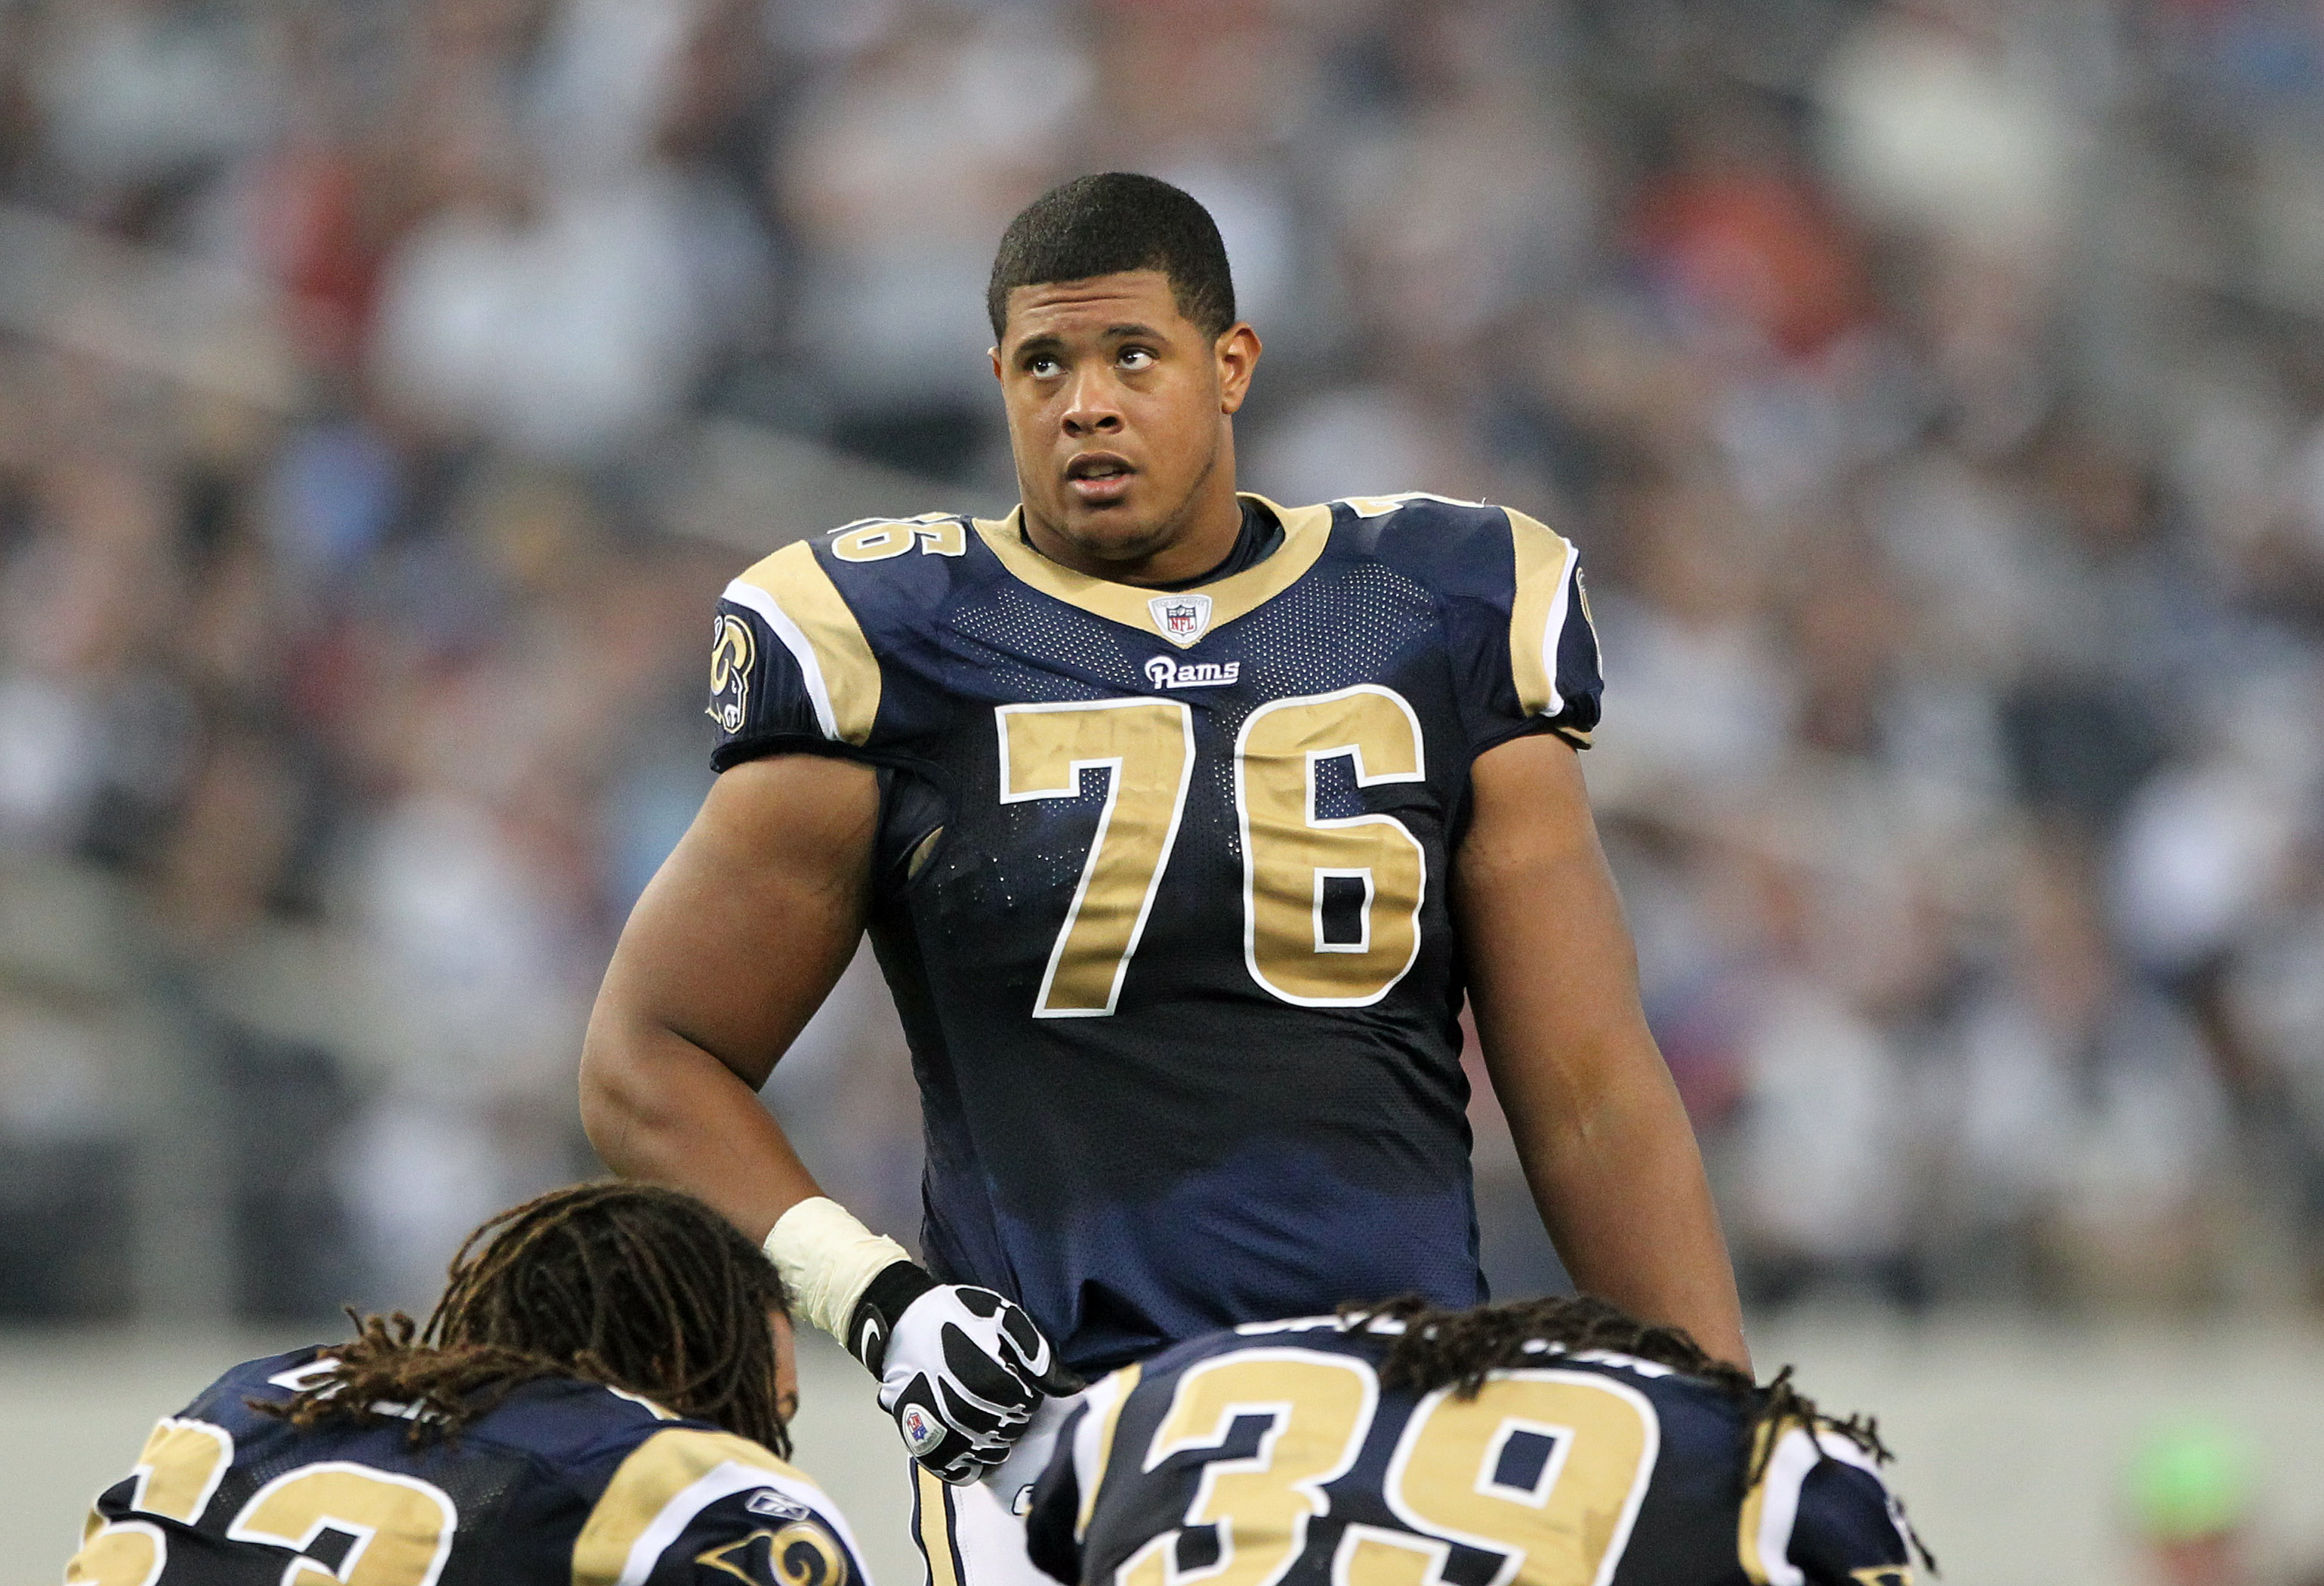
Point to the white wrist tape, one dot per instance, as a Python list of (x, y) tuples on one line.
[(827, 1259)]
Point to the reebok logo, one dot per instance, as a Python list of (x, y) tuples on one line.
[(1165, 673)]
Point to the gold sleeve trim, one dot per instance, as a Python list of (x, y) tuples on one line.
[(1305, 532), (1544, 573), (658, 1472), (1754, 1504), (1125, 1381), (814, 621), (1784, 1452)]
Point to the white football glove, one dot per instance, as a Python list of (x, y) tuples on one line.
[(960, 1369)]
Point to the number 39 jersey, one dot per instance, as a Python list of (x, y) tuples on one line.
[(1162, 887), (562, 1483), (1274, 1454)]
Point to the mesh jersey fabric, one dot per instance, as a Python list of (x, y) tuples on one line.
[(1200, 1140), (1580, 1467), (562, 1483)]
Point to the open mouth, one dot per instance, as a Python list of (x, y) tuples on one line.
[(1099, 479)]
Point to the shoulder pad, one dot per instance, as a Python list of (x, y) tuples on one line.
[(804, 612), (881, 540), (1427, 501), (676, 1474)]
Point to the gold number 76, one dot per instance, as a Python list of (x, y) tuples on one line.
[(1146, 747)]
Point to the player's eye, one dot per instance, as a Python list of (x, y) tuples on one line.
[(1136, 359), (1041, 366)]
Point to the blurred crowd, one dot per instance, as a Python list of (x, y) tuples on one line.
[(1936, 390)]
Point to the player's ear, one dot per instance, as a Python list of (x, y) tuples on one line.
[(994, 354), (1237, 352)]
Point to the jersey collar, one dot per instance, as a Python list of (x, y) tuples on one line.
[(1305, 530)]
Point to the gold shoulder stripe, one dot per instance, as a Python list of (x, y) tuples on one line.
[(1544, 577), (798, 601), (1305, 532), (1763, 1529), (1121, 1383), (666, 1481), (1755, 1507)]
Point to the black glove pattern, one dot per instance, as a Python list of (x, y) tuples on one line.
[(960, 1369)]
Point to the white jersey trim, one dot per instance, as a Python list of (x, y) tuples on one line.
[(724, 1482), (795, 640), (1795, 1457)]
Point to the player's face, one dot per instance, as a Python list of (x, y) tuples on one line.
[(1120, 413)]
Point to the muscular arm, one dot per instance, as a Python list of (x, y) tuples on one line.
[(1606, 1146), (730, 951)]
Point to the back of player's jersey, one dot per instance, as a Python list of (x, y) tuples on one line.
[(1274, 1454), (563, 1483)]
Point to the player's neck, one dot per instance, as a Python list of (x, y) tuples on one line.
[(1203, 535)]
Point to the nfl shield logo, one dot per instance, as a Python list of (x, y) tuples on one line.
[(1181, 617)]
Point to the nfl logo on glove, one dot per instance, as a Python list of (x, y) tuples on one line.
[(920, 1428)]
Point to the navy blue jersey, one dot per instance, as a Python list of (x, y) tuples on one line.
[(563, 1483), (1273, 1453), (1162, 887)]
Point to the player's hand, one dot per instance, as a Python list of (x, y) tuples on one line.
[(959, 1368)]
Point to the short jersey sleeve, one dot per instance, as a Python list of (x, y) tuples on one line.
[(1553, 646), (789, 667), (1822, 1516), (693, 1507)]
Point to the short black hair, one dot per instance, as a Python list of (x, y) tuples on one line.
[(1114, 221)]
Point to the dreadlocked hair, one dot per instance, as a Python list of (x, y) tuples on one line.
[(1460, 1349), (638, 1288)]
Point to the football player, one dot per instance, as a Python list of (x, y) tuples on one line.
[(1182, 822), (1554, 1442), (600, 1396)]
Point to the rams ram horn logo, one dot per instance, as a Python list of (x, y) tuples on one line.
[(802, 1554), (731, 651)]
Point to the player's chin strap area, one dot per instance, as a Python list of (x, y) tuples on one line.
[(960, 1369)]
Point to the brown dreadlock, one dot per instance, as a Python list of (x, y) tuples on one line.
[(1457, 1349), (640, 1289)]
